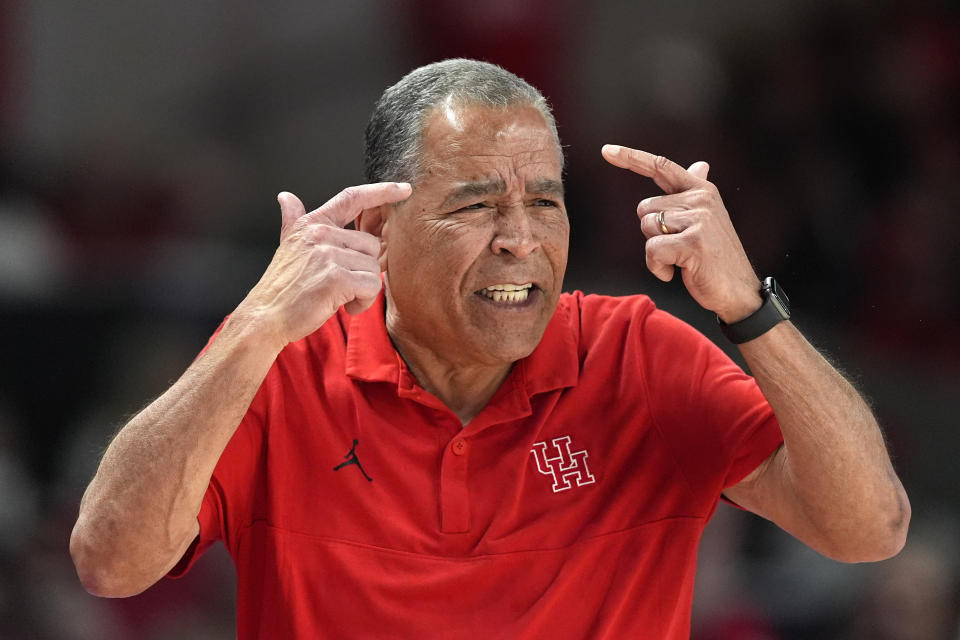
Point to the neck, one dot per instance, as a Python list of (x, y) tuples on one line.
[(464, 387), (466, 390)]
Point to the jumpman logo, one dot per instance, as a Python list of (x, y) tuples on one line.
[(351, 458)]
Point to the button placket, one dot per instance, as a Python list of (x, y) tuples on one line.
[(454, 496)]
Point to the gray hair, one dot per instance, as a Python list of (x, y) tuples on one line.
[(394, 137)]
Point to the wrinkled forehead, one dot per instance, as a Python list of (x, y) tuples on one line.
[(510, 137)]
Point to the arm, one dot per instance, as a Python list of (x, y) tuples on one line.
[(139, 513), (831, 484)]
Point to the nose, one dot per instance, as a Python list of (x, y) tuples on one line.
[(514, 234)]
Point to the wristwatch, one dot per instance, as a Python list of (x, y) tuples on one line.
[(775, 309)]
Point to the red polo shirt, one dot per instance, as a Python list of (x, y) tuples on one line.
[(356, 506)]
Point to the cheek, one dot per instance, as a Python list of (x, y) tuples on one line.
[(555, 237), (460, 228), (445, 247), (463, 234)]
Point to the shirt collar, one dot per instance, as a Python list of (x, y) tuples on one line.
[(554, 364)]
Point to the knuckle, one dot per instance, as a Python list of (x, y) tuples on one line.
[(295, 234), (337, 274), (298, 226), (694, 238), (661, 163), (348, 196), (326, 254), (357, 283), (648, 224), (320, 233)]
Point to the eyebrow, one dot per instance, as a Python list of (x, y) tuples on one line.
[(474, 189), (546, 186), (477, 188)]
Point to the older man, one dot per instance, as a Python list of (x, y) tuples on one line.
[(406, 430)]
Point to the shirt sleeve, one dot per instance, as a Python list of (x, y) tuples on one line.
[(713, 416), (210, 531), (228, 503)]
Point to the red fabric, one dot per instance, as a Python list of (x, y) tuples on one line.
[(460, 534)]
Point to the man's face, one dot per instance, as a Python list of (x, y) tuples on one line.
[(475, 257)]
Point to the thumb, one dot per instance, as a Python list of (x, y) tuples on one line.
[(290, 209), (699, 169)]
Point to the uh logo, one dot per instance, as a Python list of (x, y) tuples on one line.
[(562, 464)]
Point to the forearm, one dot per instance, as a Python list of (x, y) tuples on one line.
[(834, 460), (831, 484), (139, 513)]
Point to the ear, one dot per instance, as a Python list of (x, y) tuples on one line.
[(376, 222)]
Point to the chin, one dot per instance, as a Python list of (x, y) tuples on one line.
[(500, 351), (509, 337), (514, 355)]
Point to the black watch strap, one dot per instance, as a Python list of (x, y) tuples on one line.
[(775, 309)]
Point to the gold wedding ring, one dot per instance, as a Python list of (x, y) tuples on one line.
[(663, 225)]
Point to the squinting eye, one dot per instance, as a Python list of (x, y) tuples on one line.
[(472, 207), (543, 202)]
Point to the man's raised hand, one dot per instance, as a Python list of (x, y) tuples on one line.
[(319, 265), (700, 237)]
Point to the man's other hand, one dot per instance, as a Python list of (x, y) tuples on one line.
[(699, 237), (319, 265)]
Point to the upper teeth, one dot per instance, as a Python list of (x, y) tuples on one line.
[(507, 292), (508, 287)]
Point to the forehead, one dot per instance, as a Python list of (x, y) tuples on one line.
[(470, 142)]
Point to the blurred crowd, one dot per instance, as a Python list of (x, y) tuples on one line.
[(141, 148)]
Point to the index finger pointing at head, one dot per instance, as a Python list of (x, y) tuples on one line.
[(668, 175), (342, 208)]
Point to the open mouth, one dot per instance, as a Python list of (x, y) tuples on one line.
[(507, 293)]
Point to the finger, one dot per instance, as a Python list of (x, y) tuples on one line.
[(668, 175), (367, 287), (344, 207), (662, 255), (359, 241), (674, 221), (350, 259), (291, 208), (699, 169), (654, 204), (674, 202)]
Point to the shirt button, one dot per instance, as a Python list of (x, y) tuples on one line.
[(459, 447)]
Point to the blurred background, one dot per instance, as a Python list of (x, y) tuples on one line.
[(142, 146)]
